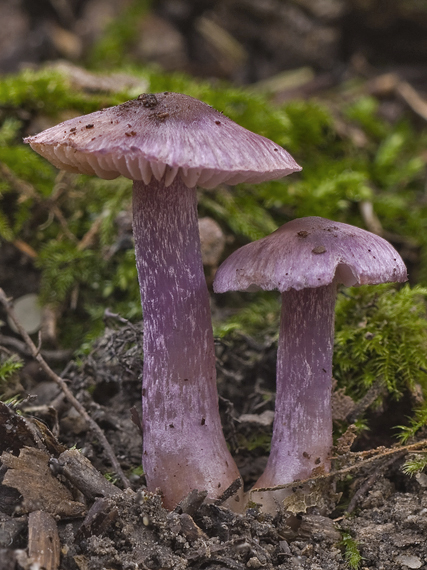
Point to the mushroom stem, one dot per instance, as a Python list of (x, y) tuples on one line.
[(184, 447), (302, 429)]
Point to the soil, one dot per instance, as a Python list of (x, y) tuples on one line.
[(96, 524)]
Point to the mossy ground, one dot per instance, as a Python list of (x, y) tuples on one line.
[(85, 260)]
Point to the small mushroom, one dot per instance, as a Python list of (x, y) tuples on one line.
[(167, 143), (305, 260)]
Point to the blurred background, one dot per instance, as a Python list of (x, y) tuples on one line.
[(245, 41)]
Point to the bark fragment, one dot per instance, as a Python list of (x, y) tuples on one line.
[(30, 474), (43, 541)]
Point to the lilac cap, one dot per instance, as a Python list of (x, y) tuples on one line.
[(311, 252), (163, 134)]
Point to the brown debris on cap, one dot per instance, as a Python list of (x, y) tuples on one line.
[(163, 135), (311, 252)]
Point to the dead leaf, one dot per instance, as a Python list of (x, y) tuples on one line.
[(17, 432), (320, 494), (30, 475)]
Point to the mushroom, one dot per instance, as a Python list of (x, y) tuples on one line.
[(167, 143), (305, 260)]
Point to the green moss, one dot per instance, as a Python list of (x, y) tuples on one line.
[(364, 113), (338, 174), (352, 555), (260, 441), (258, 317), (416, 421), (9, 368), (381, 334), (137, 471), (45, 91), (415, 464), (240, 210)]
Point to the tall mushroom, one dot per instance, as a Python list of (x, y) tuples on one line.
[(305, 259), (167, 143)]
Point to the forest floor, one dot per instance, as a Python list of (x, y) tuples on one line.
[(60, 507)]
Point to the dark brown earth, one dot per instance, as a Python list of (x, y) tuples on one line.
[(51, 495)]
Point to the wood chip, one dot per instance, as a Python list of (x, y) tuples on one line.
[(265, 419), (14, 432), (82, 79), (99, 519), (318, 527), (413, 99), (83, 475), (43, 541), (192, 502), (7, 559), (190, 529)]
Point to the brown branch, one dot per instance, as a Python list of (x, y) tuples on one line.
[(21, 347), (25, 248), (63, 222), (27, 191), (412, 98), (380, 452), (377, 389), (93, 426), (24, 188), (90, 235), (370, 481)]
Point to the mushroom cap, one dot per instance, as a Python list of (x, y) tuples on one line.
[(311, 252), (163, 134)]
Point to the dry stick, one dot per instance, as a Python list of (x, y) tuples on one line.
[(391, 451), (90, 235), (370, 218), (369, 482), (18, 345), (28, 191), (412, 98), (60, 381), (378, 388)]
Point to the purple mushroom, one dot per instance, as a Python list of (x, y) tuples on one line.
[(305, 260), (167, 143)]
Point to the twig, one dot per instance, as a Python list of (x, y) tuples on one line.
[(27, 190), (21, 347), (90, 235), (109, 315), (24, 188), (25, 248), (370, 481), (377, 389), (370, 218), (380, 453), (61, 382), (412, 98), (229, 492)]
